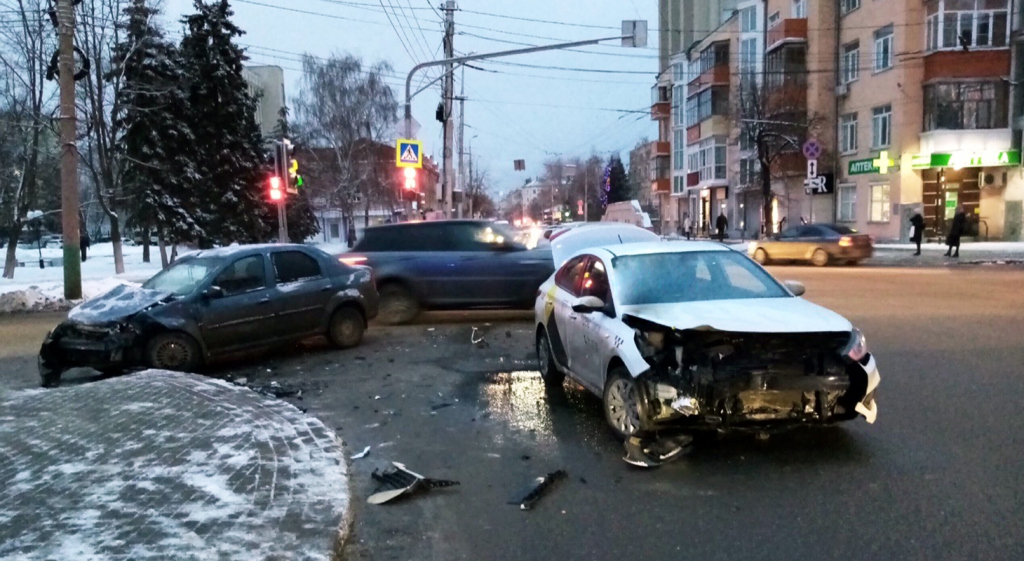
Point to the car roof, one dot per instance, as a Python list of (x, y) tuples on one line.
[(651, 248), (420, 223), (243, 250)]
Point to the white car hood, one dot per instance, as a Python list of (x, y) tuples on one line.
[(758, 315)]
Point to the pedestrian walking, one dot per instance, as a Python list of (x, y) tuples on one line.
[(956, 229), (83, 244), (917, 231), (720, 225), (687, 226)]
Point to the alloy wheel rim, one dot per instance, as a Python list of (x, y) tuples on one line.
[(623, 407), (172, 354), (542, 355)]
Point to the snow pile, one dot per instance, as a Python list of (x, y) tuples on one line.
[(49, 297)]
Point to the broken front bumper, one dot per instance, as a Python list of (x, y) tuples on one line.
[(71, 346), (867, 406)]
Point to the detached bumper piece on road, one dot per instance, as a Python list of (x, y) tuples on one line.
[(400, 482)]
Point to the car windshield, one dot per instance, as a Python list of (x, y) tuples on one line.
[(663, 278), (183, 277)]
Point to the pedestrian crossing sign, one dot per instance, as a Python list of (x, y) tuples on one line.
[(408, 153)]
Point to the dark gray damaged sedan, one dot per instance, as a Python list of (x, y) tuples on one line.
[(211, 303)]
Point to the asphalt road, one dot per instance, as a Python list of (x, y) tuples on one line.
[(937, 477)]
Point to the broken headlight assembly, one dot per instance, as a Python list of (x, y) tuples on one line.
[(649, 343), (857, 347)]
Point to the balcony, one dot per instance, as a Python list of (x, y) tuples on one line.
[(661, 102), (662, 185), (717, 76), (662, 148), (788, 31), (693, 179), (989, 63)]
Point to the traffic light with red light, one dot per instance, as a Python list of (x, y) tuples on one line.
[(276, 190), (410, 178)]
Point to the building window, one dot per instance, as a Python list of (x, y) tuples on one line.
[(678, 184), (880, 203), (678, 149), (774, 20), (678, 118), (851, 62), (715, 55), (847, 203), (693, 160), (883, 49), (748, 57), (848, 133), (799, 9), (786, 66), (881, 126), (965, 106), (711, 159), (748, 19), (749, 170), (967, 23), (847, 6), (712, 101)]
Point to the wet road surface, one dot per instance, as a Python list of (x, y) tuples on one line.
[(937, 477)]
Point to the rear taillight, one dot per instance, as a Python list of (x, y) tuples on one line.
[(353, 259), (845, 241)]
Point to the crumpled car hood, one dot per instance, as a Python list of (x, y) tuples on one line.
[(761, 315), (116, 305)]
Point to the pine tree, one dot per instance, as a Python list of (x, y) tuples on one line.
[(157, 146), (222, 117), (621, 190)]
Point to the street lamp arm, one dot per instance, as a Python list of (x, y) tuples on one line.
[(464, 59)]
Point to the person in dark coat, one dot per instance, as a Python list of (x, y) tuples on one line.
[(83, 244), (917, 231), (956, 230), (720, 225)]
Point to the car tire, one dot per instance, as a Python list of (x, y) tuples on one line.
[(174, 351), (49, 377), (761, 256), (819, 258), (398, 305), (549, 371), (625, 409), (346, 328)]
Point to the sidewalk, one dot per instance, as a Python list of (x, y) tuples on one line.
[(159, 465)]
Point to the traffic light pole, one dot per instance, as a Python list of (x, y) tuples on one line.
[(281, 171)]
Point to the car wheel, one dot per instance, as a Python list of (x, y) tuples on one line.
[(761, 256), (346, 328), (549, 372), (397, 305), (173, 351), (50, 376), (624, 408), (819, 258), (852, 263)]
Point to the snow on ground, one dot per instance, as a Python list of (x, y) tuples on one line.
[(33, 289), (988, 247)]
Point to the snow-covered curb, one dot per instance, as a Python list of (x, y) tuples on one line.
[(49, 297)]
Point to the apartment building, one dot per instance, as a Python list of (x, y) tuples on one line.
[(266, 83)]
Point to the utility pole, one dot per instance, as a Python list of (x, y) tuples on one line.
[(69, 152), (469, 190), (462, 141), (449, 87)]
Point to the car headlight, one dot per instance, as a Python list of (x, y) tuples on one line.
[(751, 248), (649, 343), (857, 347)]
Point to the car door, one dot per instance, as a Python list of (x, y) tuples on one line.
[(484, 271), (301, 293), (808, 239), (785, 245), (562, 320), (591, 333), (242, 315)]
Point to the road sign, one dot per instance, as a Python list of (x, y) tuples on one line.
[(812, 169), (812, 149), (408, 153), (519, 165), (820, 185)]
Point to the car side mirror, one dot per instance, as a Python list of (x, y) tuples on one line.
[(213, 293), (796, 287), (588, 305)]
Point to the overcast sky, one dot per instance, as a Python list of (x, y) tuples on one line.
[(529, 113)]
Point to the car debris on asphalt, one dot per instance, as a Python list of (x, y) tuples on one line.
[(538, 488), (363, 454), (653, 452), (399, 482)]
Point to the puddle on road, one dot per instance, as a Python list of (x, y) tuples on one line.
[(522, 401)]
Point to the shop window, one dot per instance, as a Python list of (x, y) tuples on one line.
[(880, 203)]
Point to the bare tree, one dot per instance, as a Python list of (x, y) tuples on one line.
[(101, 29), (773, 118), (26, 106), (345, 113)]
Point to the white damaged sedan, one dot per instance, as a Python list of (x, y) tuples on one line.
[(693, 335)]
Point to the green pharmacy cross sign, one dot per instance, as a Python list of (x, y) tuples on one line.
[(881, 165)]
